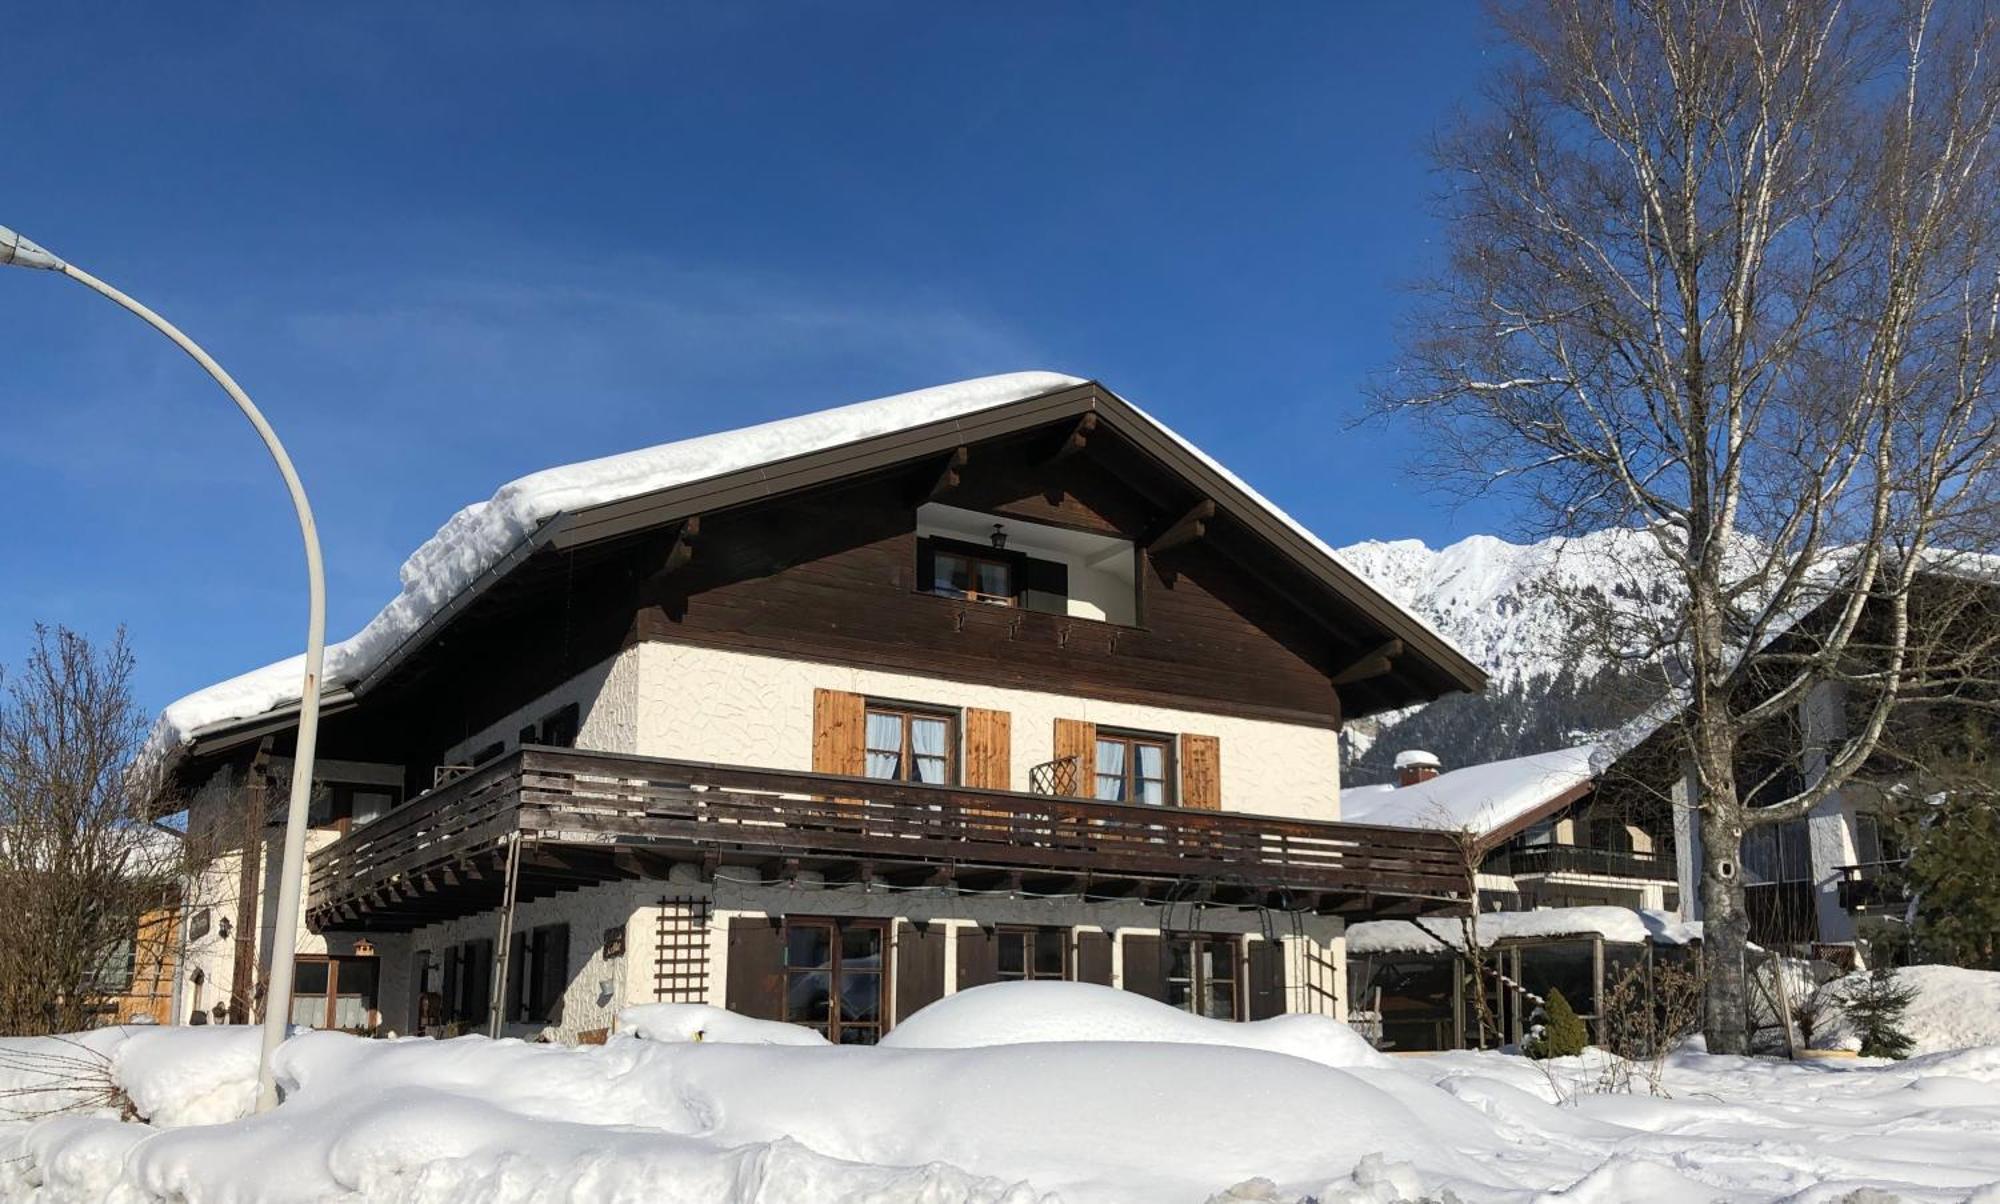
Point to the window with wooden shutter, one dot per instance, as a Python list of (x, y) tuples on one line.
[(1201, 772), (1093, 958), (1076, 746), (989, 749), (919, 966), (756, 985), (839, 730), (978, 958), (1144, 971), (1265, 979)]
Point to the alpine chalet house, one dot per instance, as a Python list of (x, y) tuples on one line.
[(822, 720)]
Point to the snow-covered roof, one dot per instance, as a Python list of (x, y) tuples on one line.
[(1612, 923), (1482, 798), (482, 540)]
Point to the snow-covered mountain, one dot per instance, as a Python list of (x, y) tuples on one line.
[(1504, 605)]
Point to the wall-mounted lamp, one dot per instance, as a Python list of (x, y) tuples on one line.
[(999, 538)]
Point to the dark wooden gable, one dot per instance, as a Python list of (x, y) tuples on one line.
[(832, 575)]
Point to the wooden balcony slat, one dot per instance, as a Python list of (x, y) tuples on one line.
[(563, 796)]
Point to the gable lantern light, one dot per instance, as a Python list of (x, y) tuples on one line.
[(16, 251)]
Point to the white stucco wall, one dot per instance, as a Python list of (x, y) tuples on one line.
[(709, 704)]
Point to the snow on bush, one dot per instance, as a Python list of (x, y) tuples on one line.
[(1020, 1013), (1954, 1009)]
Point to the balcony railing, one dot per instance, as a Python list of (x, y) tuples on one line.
[(597, 816), (1574, 859), (1872, 884)]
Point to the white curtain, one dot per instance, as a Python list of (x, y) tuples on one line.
[(1111, 771), (885, 745), (928, 737)]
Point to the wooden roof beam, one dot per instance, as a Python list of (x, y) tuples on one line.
[(1077, 439), (949, 476), (1189, 527), (1375, 662), (682, 550)]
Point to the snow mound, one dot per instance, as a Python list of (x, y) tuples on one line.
[(1954, 1009), (694, 1022), (1023, 1013), (1436, 934)]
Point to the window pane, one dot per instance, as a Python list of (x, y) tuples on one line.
[(809, 997), (1221, 1001), (852, 1035), (1180, 995), (1180, 959), (885, 732), (1110, 789), (807, 947), (860, 996), (1111, 770), (1152, 760), (1049, 954), (309, 978), (371, 805), (995, 581), (883, 765), (1153, 793), (950, 575), (860, 948), (1013, 957)]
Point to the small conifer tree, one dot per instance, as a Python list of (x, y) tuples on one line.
[(1875, 1008), (1563, 1033)]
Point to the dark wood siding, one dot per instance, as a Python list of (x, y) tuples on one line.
[(1145, 971), (756, 967), (834, 577), (1264, 981), (1093, 958), (919, 966)]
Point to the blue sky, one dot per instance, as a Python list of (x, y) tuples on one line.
[(447, 246)]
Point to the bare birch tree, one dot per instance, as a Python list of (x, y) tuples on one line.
[(86, 880), (1726, 272)]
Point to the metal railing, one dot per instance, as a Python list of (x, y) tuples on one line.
[(1575, 859)]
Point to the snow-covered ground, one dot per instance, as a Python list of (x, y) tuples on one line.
[(1013, 1094)]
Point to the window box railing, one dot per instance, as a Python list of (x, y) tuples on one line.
[(1872, 884)]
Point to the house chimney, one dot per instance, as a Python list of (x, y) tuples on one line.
[(1414, 765)]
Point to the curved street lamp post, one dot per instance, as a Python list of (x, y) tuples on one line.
[(16, 251)]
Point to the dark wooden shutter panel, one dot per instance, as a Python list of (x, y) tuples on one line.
[(1145, 973), (919, 967), (552, 967), (1044, 585), (1265, 981), (1093, 958), (1077, 738), (517, 977), (1201, 772), (978, 958), (840, 723), (756, 985), (989, 749)]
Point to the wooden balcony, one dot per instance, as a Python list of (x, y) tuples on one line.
[(586, 817)]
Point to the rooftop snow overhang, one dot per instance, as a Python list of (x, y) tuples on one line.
[(1427, 662)]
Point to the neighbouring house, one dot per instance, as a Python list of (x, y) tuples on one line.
[(1810, 881), (138, 982), (1410, 990), (822, 720), (1548, 830)]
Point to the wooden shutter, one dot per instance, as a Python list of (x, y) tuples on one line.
[(989, 749), (551, 971), (1145, 971), (1265, 980), (756, 984), (1076, 738), (978, 958), (517, 977), (919, 966), (840, 722), (1093, 958), (1201, 772)]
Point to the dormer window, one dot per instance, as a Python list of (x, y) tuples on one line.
[(1001, 560)]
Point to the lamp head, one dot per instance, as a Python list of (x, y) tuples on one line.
[(18, 252)]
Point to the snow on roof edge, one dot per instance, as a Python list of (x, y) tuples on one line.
[(1484, 797), (1440, 933)]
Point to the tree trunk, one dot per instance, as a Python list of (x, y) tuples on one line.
[(1724, 933)]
